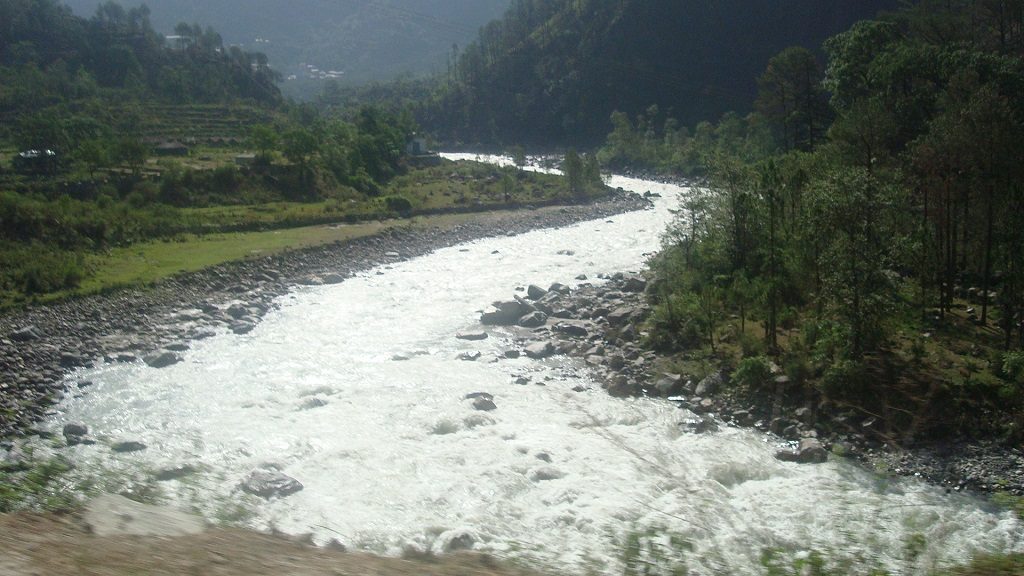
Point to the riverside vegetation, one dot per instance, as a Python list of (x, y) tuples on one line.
[(853, 246), (103, 104)]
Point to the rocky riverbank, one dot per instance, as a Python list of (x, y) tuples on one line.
[(41, 345), (602, 324)]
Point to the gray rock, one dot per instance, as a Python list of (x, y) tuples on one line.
[(333, 278), (620, 316), (634, 284), (177, 347), (804, 415), (559, 288), (75, 429), (470, 356), (237, 311), (26, 334), (546, 473), (484, 404), (709, 385), (128, 446), (270, 483), (540, 350), (533, 320), (810, 451), (471, 336), (242, 327), (534, 292), (504, 313), (512, 354), (702, 426), (175, 472), (162, 360), (71, 360), (312, 403), (570, 328), (457, 540), (669, 385)]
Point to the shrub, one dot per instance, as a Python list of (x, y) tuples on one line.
[(752, 372), (398, 204)]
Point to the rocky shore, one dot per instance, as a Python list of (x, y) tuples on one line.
[(39, 346), (602, 324)]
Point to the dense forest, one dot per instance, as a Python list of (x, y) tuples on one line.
[(862, 227), (552, 73)]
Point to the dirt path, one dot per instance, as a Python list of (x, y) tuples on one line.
[(54, 545)]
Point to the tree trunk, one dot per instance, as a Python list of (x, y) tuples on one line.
[(986, 283)]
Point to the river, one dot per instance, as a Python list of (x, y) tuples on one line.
[(356, 391)]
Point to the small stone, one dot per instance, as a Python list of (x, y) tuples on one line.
[(471, 336)]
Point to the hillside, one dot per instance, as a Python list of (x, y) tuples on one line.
[(366, 41), (553, 72)]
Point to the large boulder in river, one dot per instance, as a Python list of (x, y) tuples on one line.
[(162, 360), (534, 292), (810, 451), (270, 483), (75, 432), (505, 313)]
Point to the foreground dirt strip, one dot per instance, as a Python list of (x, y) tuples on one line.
[(52, 545)]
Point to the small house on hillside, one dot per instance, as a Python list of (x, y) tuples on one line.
[(416, 146), (171, 149), (418, 153), (36, 162)]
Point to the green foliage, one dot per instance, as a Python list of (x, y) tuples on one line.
[(42, 486), (1013, 367), (554, 72), (677, 322), (752, 373), (398, 204)]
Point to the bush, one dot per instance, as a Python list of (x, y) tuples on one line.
[(677, 322), (398, 204), (752, 372), (844, 379)]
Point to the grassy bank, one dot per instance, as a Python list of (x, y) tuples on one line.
[(63, 246)]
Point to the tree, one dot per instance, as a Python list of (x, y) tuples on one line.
[(572, 166), (95, 154), (264, 138), (299, 147), (852, 210), (791, 98), (132, 151)]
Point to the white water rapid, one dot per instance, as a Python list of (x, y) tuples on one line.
[(392, 456)]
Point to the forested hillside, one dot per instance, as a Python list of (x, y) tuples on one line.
[(360, 41), (863, 228), (552, 72)]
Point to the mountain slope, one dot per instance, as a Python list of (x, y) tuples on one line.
[(368, 40), (553, 71)]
